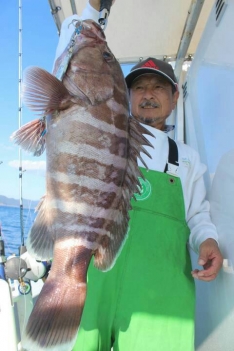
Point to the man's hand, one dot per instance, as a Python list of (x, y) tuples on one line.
[(96, 4), (211, 259)]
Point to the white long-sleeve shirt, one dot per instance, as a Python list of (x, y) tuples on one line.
[(190, 172)]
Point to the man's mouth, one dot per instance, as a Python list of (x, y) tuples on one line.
[(149, 105)]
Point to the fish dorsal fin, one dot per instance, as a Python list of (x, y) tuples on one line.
[(136, 142), (105, 258), (43, 92)]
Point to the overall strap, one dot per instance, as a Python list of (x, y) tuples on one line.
[(172, 164)]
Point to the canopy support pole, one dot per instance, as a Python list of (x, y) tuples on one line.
[(190, 24)]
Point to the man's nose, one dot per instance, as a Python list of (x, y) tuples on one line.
[(148, 92)]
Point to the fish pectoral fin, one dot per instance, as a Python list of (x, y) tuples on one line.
[(43, 92), (31, 136), (40, 242)]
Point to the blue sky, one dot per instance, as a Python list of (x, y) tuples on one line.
[(39, 41), (39, 44)]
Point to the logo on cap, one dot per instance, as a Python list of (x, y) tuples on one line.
[(150, 64)]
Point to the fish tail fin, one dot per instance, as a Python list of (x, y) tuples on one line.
[(55, 319), (55, 327), (31, 136)]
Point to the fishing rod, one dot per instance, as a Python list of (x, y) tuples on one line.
[(104, 12), (20, 123)]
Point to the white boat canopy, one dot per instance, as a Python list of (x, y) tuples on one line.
[(164, 29), (139, 29)]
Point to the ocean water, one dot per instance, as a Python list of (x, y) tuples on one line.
[(10, 224)]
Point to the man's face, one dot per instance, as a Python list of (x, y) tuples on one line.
[(152, 100)]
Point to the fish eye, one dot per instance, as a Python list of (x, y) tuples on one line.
[(107, 56)]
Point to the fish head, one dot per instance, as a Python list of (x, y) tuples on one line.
[(93, 69), (90, 52)]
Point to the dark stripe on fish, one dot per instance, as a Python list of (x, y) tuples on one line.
[(95, 137), (78, 193), (72, 165)]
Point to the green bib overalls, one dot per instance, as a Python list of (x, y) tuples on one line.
[(146, 301)]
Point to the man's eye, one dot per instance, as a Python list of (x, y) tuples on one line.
[(107, 56)]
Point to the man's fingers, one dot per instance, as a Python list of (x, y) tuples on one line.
[(210, 272), (201, 261), (208, 278), (211, 259)]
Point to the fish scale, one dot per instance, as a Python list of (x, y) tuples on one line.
[(92, 146)]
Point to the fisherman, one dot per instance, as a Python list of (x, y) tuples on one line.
[(147, 300)]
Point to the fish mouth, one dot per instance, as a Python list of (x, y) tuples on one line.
[(89, 29)]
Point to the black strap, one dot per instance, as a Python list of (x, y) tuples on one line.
[(173, 156)]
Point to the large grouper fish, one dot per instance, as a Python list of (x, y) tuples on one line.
[(92, 145)]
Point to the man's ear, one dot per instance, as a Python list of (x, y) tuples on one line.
[(175, 97)]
